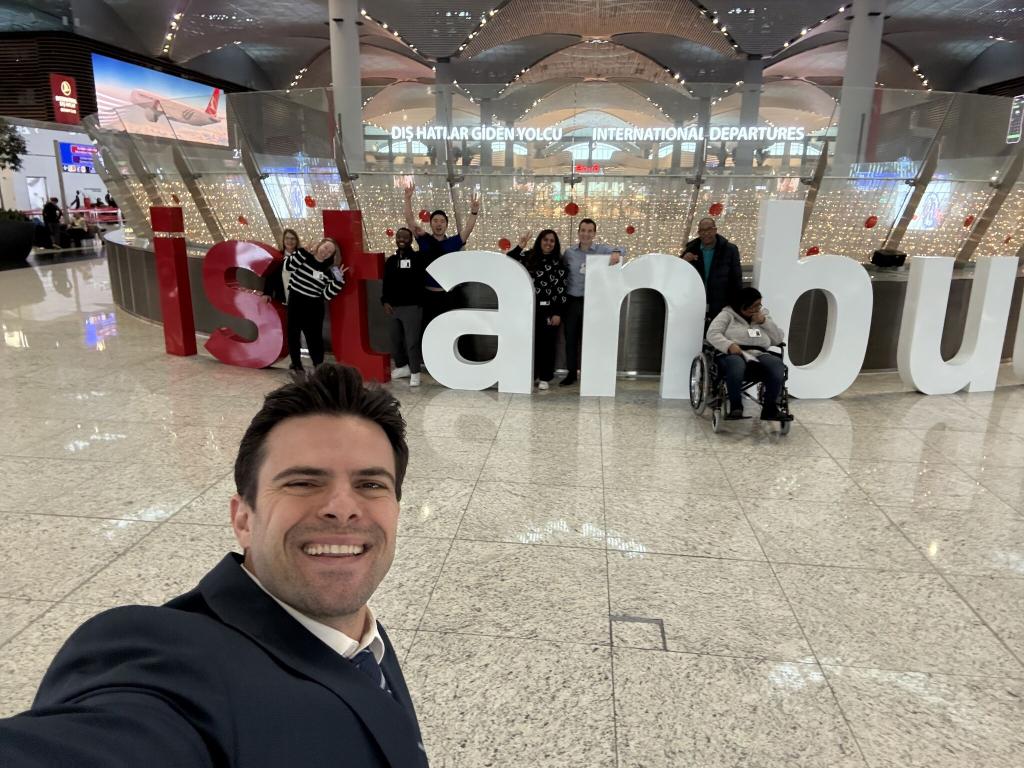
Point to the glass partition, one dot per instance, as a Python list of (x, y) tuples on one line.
[(647, 159)]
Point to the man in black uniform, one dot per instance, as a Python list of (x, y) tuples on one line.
[(717, 261), (51, 218)]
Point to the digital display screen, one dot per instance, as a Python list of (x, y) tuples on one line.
[(143, 101), (1016, 120), (77, 158)]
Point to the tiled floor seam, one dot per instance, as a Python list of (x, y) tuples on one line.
[(454, 538), (935, 569), (608, 588), (796, 618), (154, 527)]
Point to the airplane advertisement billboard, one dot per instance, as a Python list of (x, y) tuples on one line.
[(151, 103)]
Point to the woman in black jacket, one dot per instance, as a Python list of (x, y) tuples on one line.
[(549, 275), (275, 287)]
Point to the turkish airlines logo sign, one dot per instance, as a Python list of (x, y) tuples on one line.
[(64, 97)]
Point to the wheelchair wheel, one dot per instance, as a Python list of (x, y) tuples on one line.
[(716, 419), (784, 427), (699, 384)]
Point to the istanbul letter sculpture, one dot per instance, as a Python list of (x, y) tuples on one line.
[(511, 322), (976, 364), (782, 277), (607, 285)]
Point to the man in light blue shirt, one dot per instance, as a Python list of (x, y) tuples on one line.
[(576, 261)]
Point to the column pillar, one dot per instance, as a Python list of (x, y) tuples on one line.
[(704, 123), (345, 21), (443, 105), (750, 107), (510, 155), (855, 101), (486, 117)]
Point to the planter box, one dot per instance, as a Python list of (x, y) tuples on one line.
[(15, 240)]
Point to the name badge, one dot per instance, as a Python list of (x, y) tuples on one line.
[(754, 333), (583, 268), (545, 303), (404, 263)]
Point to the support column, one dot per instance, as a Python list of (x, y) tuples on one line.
[(486, 157), (442, 106), (510, 155), (345, 21), (750, 108), (855, 101)]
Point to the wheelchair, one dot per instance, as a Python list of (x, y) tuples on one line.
[(707, 387)]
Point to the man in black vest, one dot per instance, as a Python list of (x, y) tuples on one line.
[(717, 261), (51, 218), (274, 659)]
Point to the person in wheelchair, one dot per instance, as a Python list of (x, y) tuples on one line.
[(742, 333)]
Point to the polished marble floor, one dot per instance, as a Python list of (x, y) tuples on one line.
[(579, 582)]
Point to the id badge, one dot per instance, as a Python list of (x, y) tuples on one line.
[(404, 263), (583, 268), (545, 303), (754, 333)]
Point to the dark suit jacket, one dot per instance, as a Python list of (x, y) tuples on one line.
[(221, 676), (726, 276)]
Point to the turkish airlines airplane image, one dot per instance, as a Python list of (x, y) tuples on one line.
[(154, 106)]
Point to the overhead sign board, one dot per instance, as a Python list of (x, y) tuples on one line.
[(64, 97), (627, 133), (77, 158)]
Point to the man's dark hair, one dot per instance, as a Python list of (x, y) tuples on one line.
[(439, 212), (586, 221), (333, 390), (744, 298), (707, 218)]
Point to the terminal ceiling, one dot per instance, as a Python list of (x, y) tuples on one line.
[(644, 46)]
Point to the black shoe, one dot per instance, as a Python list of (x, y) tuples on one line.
[(568, 381), (735, 416), (776, 415), (296, 368)]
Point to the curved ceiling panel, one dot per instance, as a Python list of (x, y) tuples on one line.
[(435, 27), (589, 61), (503, 62), (762, 28), (613, 98), (827, 63), (378, 66), (693, 61), (597, 18)]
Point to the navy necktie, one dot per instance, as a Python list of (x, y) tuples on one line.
[(366, 663)]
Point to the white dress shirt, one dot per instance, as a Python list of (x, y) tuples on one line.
[(336, 640)]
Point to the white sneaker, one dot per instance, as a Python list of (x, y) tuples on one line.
[(414, 380), (542, 385), (400, 373)]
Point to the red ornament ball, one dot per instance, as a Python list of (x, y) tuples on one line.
[(424, 215), (870, 222), (389, 232), (630, 229), (969, 220), (571, 209), (813, 250), (310, 201), (716, 209), (504, 244), (243, 221)]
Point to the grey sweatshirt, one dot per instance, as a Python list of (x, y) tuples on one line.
[(730, 327)]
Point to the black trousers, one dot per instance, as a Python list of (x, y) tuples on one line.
[(768, 369), (306, 317), (435, 303), (545, 341), (572, 318)]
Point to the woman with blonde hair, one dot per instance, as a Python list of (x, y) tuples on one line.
[(315, 279)]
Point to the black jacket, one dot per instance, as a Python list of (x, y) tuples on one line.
[(404, 286), (220, 676), (726, 276), (550, 280), (51, 212)]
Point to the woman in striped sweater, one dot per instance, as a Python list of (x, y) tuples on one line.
[(316, 278)]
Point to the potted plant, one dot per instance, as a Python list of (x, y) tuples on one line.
[(16, 231), (16, 235)]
